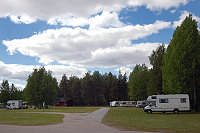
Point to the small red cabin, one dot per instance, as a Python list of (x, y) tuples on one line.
[(63, 102)]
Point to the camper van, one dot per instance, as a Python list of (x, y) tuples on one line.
[(142, 104), (115, 103), (128, 104), (14, 104), (168, 103)]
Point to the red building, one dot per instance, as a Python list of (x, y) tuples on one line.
[(63, 102)]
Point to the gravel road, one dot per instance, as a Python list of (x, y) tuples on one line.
[(72, 123)]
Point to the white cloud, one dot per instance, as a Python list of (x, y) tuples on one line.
[(106, 19), (121, 55), (124, 70), (22, 19), (183, 16), (81, 46), (158, 4), (172, 11), (21, 72), (74, 12)]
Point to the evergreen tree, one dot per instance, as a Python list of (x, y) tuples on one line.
[(122, 87), (138, 81), (5, 92), (182, 60), (156, 60), (64, 91)]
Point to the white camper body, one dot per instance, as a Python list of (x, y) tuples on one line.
[(168, 103), (14, 104), (128, 104), (115, 103)]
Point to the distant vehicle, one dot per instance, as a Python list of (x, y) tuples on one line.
[(25, 105), (168, 103), (115, 103), (14, 104), (128, 104), (142, 104)]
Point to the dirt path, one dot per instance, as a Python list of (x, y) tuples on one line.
[(72, 123)]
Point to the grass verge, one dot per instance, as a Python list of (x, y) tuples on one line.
[(17, 117), (137, 119), (29, 119)]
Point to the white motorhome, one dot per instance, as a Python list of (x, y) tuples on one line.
[(115, 103), (128, 104), (168, 103), (142, 104), (14, 104)]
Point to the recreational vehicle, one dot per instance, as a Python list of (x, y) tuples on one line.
[(142, 104), (128, 104), (14, 104), (115, 103), (168, 103)]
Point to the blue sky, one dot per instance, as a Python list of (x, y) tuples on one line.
[(73, 36)]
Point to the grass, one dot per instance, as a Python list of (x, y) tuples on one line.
[(17, 117), (29, 119), (137, 119)]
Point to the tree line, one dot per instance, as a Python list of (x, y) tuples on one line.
[(175, 70), (8, 92)]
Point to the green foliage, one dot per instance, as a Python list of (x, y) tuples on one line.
[(182, 60), (138, 82), (41, 87), (95, 89), (8, 92), (156, 60)]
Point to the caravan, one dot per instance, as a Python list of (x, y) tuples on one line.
[(14, 104), (168, 103), (128, 104), (115, 103)]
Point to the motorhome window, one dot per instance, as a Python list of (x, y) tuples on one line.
[(123, 102), (8, 104), (13, 104), (117, 103), (153, 97), (183, 100), (163, 100)]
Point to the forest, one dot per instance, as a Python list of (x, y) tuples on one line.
[(175, 70)]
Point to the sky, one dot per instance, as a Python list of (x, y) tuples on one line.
[(73, 37)]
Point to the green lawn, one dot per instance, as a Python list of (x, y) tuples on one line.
[(137, 119), (17, 117), (29, 119)]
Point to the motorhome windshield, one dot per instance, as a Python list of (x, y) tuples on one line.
[(8, 104), (153, 103)]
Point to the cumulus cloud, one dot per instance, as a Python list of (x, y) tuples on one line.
[(21, 72), (158, 4), (121, 55), (73, 12), (124, 70), (183, 16), (83, 47)]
